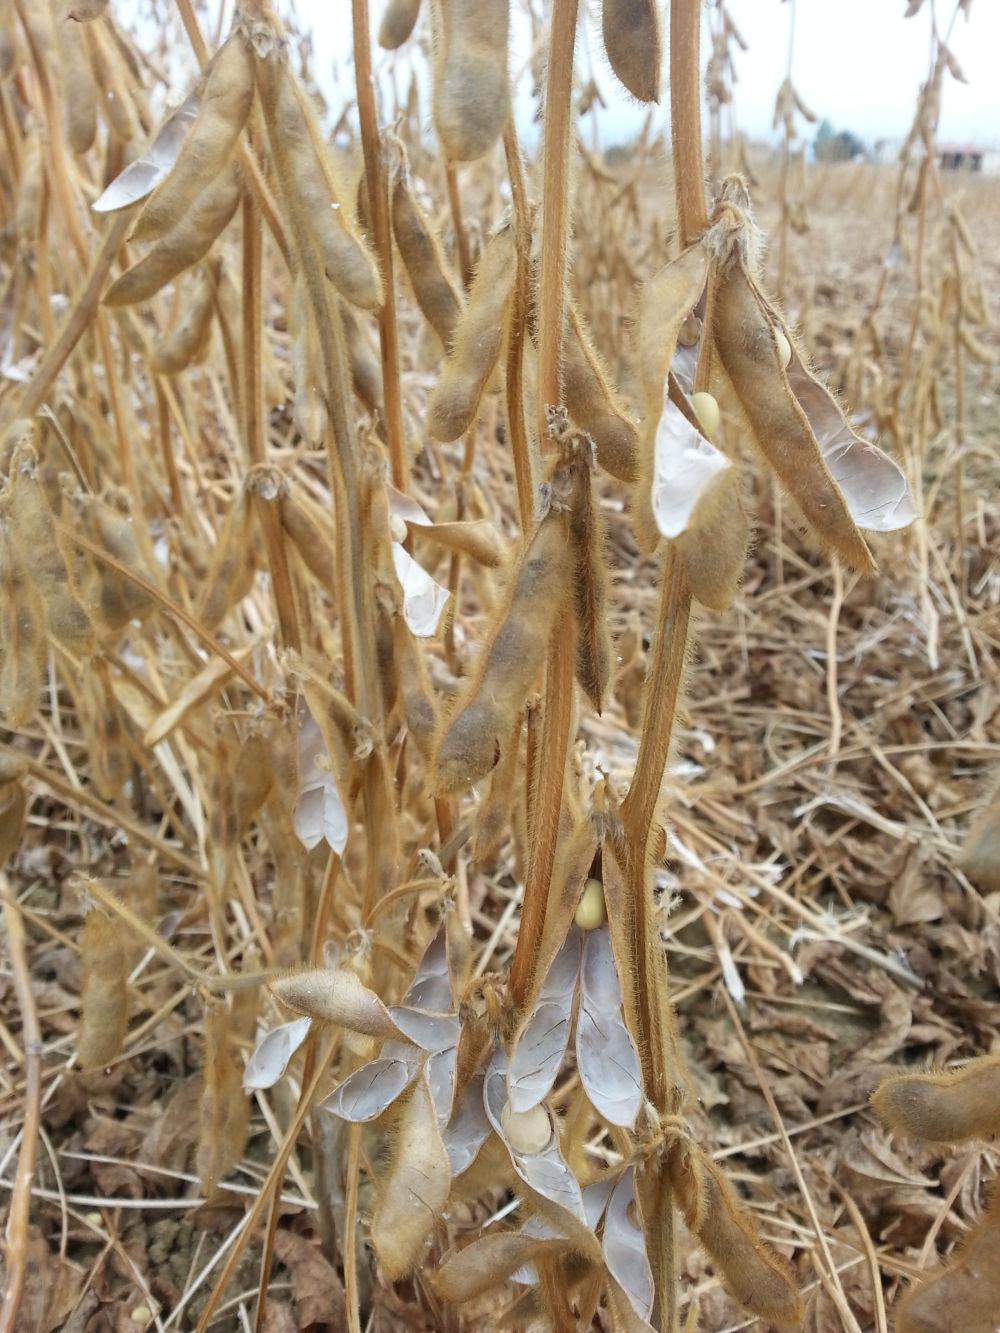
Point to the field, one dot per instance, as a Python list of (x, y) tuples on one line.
[(497, 770)]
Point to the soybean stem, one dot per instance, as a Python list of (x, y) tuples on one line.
[(378, 204), (685, 118), (559, 667)]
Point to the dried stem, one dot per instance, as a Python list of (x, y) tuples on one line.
[(16, 1236), (378, 203), (520, 444), (685, 118), (253, 424), (559, 688)]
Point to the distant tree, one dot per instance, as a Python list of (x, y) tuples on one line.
[(832, 145)]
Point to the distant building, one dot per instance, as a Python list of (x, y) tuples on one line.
[(969, 157)]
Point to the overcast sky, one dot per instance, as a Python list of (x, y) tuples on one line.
[(858, 62)]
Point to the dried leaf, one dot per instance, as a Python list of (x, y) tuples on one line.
[(316, 1285), (273, 1052)]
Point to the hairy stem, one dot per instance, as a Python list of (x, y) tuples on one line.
[(559, 667), (378, 204)]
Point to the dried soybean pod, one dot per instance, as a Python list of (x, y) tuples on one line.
[(752, 1272), (484, 719), (434, 286), (634, 43), (253, 779), (346, 259), (493, 817), (980, 858), (471, 85), (225, 105), (13, 809), (714, 546), (119, 599), (312, 536), (224, 1113), (366, 369), (29, 190), (140, 897), (22, 638), (477, 538), (416, 695), (308, 403), (593, 403), (187, 342), (948, 1107), (748, 347), (103, 993), (78, 90), (189, 241), (965, 1294), (586, 539), (414, 1190), (475, 343), (104, 732), (399, 18), (667, 300), (232, 570), (111, 78), (33, 534)]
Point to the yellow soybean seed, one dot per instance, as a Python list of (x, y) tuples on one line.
[(591, 911), (706, 409), (526, 1131)]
